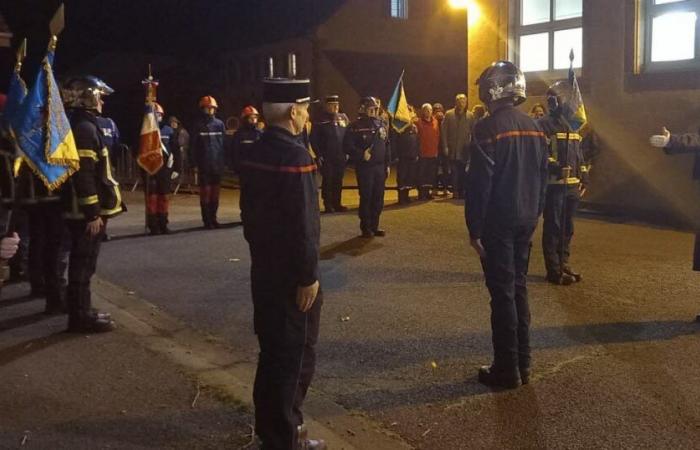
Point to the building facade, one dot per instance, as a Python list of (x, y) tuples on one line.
[(638, 64)]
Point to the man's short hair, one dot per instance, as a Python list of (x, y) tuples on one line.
[(460, 96), (276, 112)]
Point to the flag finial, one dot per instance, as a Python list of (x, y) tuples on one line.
[(21, 54), (52, 43)]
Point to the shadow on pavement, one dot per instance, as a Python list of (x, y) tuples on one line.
[(172, 232), (356, 246), (375, 356), (22, 349), (22, 321), (6, 303)]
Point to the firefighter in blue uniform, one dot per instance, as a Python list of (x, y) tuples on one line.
[(209, 158), (505, 197), (157, 189), (677, 144), (367, 144), (568, 178), (245, 136), (327, 136), (280, 213), (90, 196)]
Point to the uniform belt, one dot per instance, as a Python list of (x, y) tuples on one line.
[(567, 181), (569, 136)]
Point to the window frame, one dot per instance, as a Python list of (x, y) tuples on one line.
[(550, 27), (651, 11), (401, 9)]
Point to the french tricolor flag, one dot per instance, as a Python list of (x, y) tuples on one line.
[(150, 152)]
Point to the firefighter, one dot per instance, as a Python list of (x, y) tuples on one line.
[(367, 144), (568, 178), (280, 213), (327, 141), (506, 185), (209, 157), (676, 144), (157, 186), (246, 135), (90, 196)]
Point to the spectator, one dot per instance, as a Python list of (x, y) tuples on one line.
[(456, 135), (479, 112), (408, 152), (538, 111), (444, 178), (429, 141)]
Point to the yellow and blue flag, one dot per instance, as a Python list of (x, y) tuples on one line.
[(16, 93), (577, 117), (42, 130), (398, 108)]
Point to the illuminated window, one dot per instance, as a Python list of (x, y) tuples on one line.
[(670, 33), (545, 32), (398, 9)]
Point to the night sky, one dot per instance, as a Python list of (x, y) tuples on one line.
[(168, 27)]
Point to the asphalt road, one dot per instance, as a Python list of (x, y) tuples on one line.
[(615, 357)]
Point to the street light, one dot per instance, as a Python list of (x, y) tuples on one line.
[(473, 12)]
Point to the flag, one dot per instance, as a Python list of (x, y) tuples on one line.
[(577, 114), (398, 108), (42, 130), (17, 91), (150, 147)]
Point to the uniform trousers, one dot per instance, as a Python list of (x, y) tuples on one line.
[(81, 267), (558, 229), (209, 187), (458, 177), (505, 269), (407, 173), (332, 187), (45, 235), (287, 358), (157, 198), (371, 180)]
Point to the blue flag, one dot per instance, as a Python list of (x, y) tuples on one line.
[(42, 130), (577, 115), (398, 108), (16, 94)]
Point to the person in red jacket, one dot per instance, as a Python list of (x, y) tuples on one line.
[(429, 141)]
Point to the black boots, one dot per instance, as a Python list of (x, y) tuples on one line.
[(90, 322), (403, 197), (304, 443), (561, 279), (157, 224), (504, 379)]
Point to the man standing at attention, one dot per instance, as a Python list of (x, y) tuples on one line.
[(281, 222)]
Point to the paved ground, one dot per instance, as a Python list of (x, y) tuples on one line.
[(66, 391), (615, 356)]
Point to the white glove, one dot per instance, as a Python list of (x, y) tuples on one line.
[(171, 161), (8, 246), (660, 140), (174, 175)]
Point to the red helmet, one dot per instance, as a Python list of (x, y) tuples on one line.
[(208, 101), (159, 109), (249, 111)]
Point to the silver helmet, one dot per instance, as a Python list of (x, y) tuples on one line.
[(500, 80), (84, 92)]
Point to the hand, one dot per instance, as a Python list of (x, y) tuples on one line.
[(582, 190), (174, 175), (8, 246), (660, 140), (171, 161), (388, 171), (94, 228), (478, 247), (367, 155), (306, 296)]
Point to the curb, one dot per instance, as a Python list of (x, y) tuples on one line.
[(218, 366)]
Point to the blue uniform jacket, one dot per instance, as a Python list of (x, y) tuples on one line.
[(207, 145), (279, 208), (507, 179)]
